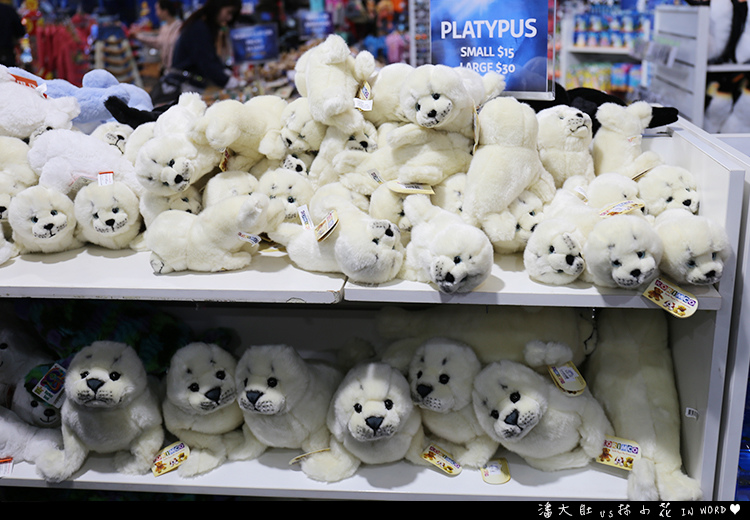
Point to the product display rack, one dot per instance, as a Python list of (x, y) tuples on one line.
[(273, 301)]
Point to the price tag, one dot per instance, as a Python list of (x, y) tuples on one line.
[(170, 458), (106, 178), (304, 216), (440, 458), (618, 208), (671, 298), (324, 229), (247, 237), (619, 453), (567, 378), (401, 187)]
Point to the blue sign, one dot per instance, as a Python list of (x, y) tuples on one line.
[(314, 24), (255, 43), (504, 36)]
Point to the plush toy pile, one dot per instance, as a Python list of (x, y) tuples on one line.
[(426, 387)]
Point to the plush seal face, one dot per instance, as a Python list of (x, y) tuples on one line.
[(363, 139), (553, 254), (271, 380), (108, 210), (200, 379), (371, 403), (42, 215), (460, 261), (509, 400), (369, 250), (564, 127), (105, 374), (441, 375), (114, 134), (623, 251), (668, 187), (289, 187), (165, 165)]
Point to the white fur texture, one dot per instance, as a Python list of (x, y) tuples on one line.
[(108, 408), (24, 441), (565, 135), (109, 215), (441, 378), (444, 250), (668, 186), (524, 412), (554, 252), (695, 247)]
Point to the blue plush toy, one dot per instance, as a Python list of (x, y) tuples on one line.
[(97, 86)]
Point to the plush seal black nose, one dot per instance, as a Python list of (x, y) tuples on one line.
[(512, 418), (253, 395), (374, 422), (214, 394), (94, 384), (424, 390)]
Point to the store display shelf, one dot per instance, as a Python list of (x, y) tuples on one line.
[(95, 272), (617, 51), (272, 476)]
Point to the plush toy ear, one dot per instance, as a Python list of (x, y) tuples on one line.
[(663, 116)]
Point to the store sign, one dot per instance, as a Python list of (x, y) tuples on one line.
[(504, 36), (255, 43), (314, 25)]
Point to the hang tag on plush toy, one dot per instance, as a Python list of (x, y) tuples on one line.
[(106, 178), (304, 217), (619, 208), (363, 100), (442, 459), (619, 453), (567, 378), (324, 228), (31, 83), (409, 188), (667, 295), (495, 472), (374, 175), (249, 238), (51, 387), (225, 156), (170, 458)]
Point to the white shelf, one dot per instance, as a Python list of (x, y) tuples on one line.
[(272, 476), (614, 51)]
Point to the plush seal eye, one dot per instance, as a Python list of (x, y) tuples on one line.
[(53, 212), (272, 382), (358, 408), (34, 219), (194, 387), (418, 107), (457, 260), (641, 254), (114, 376), (388, 404), (115, 210), (494, 414), (221, 375), (616, 263), (84, 374), (436, 96), (515, 397), (444, 378), (551, 249), (95, 215), (419, 374)]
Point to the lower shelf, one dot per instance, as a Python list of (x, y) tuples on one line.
[(272, 476)]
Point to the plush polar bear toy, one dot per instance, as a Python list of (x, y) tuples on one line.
[(617, 145), (668, 186), (441, 378), (365, 249), (247, 132), (695, 247), (201, 409), (633, 357), (330, 77), (505, 164), (455, 256), (212, 240), (372, 421), (526, 414), (285, 398), (565, 135), (108, 408), (25, 113), (33, 410), (43, 220), (623, 251), (67, 160), (108, 216)]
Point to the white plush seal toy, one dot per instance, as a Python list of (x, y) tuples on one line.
[(109, 408), (201, 408)]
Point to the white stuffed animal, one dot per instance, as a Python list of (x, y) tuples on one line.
[(565, 135), (445, 250), (114, 134), (441, 377), (695, 247), (43, 220), (33, 410), (341, 151), (668, 186), (15, 173), (300, 132), (201, 410), (152, 204), (372, 421), (291, 189), (23, 441), (365, 249), (330, 78), (617, 145), (633, 356), (526, 414), (25, 112), (386, 89), (67, 160), (213, 240), (285, 398), (388, 204), (108, 215), (553, 254), (505, 164), (623, 251), (228, 183), (449, 194), (247, 132), (517, 222), (109, 408)]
